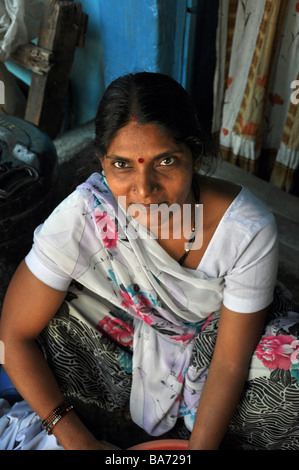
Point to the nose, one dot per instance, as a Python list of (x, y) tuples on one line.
[(145, 184)]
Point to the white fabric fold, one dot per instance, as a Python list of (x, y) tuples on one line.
[(21, 429)]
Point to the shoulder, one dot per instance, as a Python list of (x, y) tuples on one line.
[(245, 227), (68, 212), (81, 198), (235, 205), (71, 215)]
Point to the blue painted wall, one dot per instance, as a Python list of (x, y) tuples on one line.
[(127, 36), (122, 37)]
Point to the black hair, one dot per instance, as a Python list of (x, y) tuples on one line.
[(151, 98)]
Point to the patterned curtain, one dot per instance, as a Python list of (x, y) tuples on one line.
[(256, 110)]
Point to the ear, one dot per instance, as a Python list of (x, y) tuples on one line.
[(102, 162), (197, 165)]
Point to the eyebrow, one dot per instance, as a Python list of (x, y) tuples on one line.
[(157, 157)]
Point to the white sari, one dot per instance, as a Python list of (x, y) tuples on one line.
[(127, 271)]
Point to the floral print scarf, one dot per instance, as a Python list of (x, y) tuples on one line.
[(166, 304)]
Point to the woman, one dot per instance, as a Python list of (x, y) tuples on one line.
[(126, 291)]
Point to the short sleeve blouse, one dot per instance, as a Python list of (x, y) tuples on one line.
[(243, 249)]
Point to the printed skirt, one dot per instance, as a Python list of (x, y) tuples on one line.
[(94, 371)]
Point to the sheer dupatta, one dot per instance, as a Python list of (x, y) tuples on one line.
[(168, 305)]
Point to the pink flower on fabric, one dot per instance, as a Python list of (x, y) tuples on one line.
[(181, 378), (276, 352), (128, 303), (107, 229), (127, 298), (184, 338), (143, 301), (117, 329)]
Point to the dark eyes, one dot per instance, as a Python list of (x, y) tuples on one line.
[(167, 161), (121, 164)]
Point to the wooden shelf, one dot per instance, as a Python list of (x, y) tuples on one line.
[(62, 29)]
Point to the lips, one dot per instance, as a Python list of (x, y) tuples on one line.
[(153, 206), (147, 204)]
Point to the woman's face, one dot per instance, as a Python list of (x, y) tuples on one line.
[(144, 166)]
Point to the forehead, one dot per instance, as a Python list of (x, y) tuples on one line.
[(136, 137)]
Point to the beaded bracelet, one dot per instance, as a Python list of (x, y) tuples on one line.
[(52, 419)]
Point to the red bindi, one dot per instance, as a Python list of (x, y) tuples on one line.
[(140, 160)]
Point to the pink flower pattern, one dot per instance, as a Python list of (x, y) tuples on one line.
[(277, 352), (143, 303), (184, 338), (117, 329), (107, 229)]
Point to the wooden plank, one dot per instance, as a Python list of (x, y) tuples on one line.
[(60, 32), (34, 58), (82, 30)]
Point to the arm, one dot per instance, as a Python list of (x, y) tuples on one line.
[(238, 335), (29, 305)]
